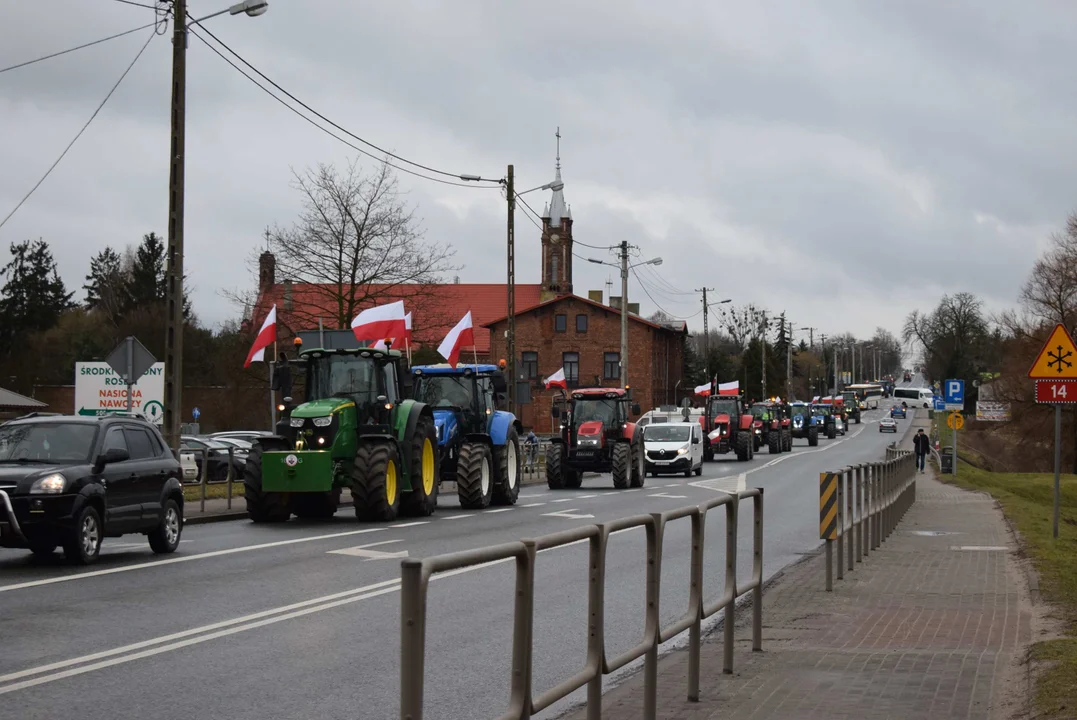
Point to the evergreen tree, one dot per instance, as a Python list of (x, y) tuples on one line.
[(146, 284), (33, 296), (106, 285)]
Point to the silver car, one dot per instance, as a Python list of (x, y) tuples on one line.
[(887, 425)]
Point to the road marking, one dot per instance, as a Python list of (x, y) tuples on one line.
[(491, 512), (410, 524), (456, 517), (363, 551), (184, 558), (664, 495), (632, 490), (533, 504), (563, 500), (584, 497), (570, 513)]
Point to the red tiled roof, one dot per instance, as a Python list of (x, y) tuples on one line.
[(524, 309), (435, 308)]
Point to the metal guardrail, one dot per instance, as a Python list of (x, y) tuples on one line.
[(203, 477), (861, 505), (523, 702)]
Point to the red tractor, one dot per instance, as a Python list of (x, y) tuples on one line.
[(768, 428), (728, 428), (596, 436)]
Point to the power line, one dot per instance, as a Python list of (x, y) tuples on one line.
[(669, 287), (328, 132), (459, 176), (80, 132), (138, 4), (664, 311), (77, 47)]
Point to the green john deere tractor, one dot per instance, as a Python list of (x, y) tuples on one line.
[(356, 430)]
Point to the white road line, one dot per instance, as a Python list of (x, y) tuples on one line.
[(183, 558), (584, 497), (563, 500), (533, 504), (456, 517), (410, 524), (570, 513), (631, 490), (491, 512), (664, 495)]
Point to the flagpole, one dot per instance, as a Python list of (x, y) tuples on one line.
[(407, 346)]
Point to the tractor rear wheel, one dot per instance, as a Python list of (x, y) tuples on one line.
[(262, 506), (813, 436), (744, 446), (774, 442), (508, 460), (622, 464), (475, 475), (316, 506), (787, 440), (423, 447), (376, 481), (555, 471)]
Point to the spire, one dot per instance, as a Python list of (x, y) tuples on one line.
[(557, 209)]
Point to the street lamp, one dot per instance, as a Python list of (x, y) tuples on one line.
[(625, 267), (174, 258)]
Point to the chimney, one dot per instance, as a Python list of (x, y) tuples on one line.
[(267, 270), (288, 296), (615, 302), (595, 296), (633, 308)]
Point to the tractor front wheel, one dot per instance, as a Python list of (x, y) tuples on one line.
[(744, 446), (423, 498), (555, 471), (813, 436), (262, 506), (376, 481), (774, 442), (787, 441), (622, 464), (475, 476), (509, 465), (639, 473)]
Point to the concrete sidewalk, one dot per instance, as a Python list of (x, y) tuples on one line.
[(931, 625)]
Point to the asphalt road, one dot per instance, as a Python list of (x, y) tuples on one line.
[(302, 620)]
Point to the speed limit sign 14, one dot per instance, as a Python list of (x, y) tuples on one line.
[(1055, 392)]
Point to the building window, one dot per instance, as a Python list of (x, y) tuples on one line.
[(529, 365), (581, 323), (611, 365), (570, 361), (560, 323)]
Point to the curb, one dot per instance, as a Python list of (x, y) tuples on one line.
[(216, 517)]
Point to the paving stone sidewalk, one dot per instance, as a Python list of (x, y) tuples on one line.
[(928, 626)]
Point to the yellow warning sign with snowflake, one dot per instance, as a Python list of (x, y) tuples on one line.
[(1057, 359)]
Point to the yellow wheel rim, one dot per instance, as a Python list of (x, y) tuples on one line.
[(428, 466), (390, 482)]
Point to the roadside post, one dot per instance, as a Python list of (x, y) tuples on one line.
[(828, 521), (954, 401), (1056, 384)]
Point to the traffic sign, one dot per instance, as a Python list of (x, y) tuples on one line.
[(130, 359), (939, 404), (1057, 358), (955, 421), (196, 413), (1056, 391), (954, 394)]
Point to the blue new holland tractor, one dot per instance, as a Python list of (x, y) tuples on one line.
[(479, 444), (806, 424)]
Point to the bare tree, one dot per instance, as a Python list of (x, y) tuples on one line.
[(355, 243), (1049, 295), (743, 323)]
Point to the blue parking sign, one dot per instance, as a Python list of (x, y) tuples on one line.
[(954, 394)]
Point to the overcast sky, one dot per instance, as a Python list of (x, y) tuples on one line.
[(845, 161)]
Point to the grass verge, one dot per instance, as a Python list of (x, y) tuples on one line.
[(193, 493), (1027, 499)]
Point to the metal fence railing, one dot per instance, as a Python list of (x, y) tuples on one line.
[(523, 702), (860, 506)]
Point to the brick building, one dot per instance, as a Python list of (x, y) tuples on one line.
[(554, 327)]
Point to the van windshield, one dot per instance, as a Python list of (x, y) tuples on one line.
[(667, 433)]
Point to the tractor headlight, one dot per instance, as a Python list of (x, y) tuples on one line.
[(588, 442), (323, 421), (49, 485), (296, 422)]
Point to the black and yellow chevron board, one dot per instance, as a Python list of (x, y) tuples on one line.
[(828, 506)]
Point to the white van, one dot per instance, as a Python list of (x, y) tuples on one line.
[(673, 447), (914, 397)]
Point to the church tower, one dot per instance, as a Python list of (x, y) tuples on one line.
[(557, 239)]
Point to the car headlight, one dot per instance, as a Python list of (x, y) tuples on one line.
[(49, 485), (296, 422), (682, 451), (323, 421)]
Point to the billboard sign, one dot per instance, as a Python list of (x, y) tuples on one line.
[(99, 390), (992, 411)]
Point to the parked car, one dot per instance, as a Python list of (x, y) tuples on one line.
[(673, 447), (69, 481), (888, 425), (249, 436), (217, 457)]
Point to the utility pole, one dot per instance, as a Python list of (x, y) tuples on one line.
[(510, 336), (624, 314), (788, 331), (173, 410), (706, 332), (764, 354), (826, 365)]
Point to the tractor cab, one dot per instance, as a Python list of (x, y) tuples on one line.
[(464, 398), (595, 417), (597, 435)]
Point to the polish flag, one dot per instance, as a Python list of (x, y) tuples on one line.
[(380, 322), (556, 380), (462, 335), (384, 343), (729, 388), (266, 337), (407, 326), (703, 390)]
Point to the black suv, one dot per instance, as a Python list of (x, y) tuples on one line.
[(70, 481)]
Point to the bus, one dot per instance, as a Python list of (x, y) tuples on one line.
[(867, 395)]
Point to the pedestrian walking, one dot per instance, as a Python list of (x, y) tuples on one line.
[(921, 444), (531, 447)]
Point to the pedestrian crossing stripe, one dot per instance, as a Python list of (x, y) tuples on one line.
[(828, 506)]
